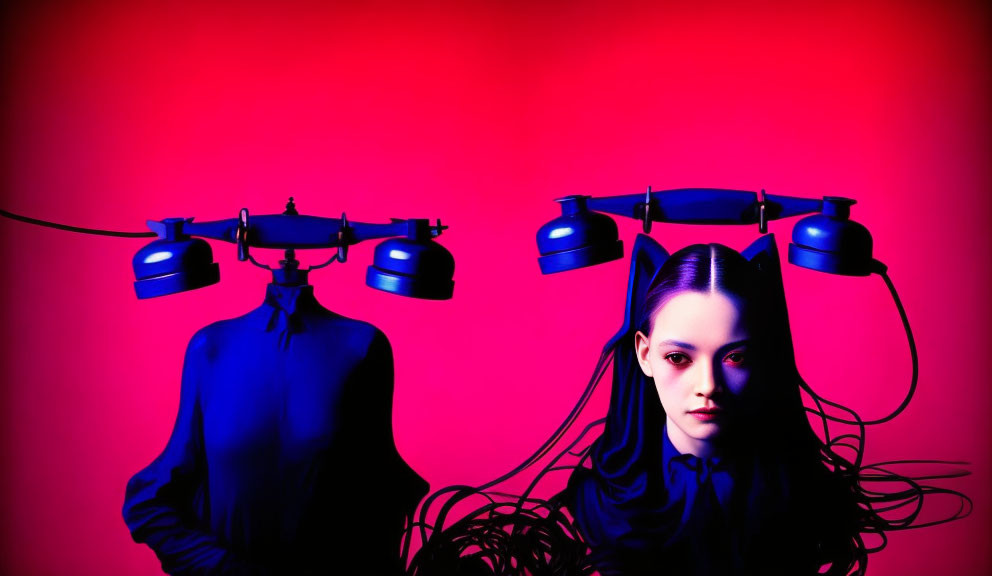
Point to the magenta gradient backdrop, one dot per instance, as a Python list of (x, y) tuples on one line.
[(480, 114)]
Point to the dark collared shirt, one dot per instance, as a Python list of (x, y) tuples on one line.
[(685, 474), (673, 521)]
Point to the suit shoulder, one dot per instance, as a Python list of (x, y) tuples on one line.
[(206, 340), (360, 333)]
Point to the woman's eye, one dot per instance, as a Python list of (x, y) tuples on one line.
[(677, 358), (736, 357)]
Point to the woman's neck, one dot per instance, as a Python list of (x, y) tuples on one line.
[(688, 445)]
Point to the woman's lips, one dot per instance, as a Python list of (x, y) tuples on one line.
[(706, 414)]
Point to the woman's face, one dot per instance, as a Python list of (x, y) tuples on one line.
[(697, 354)]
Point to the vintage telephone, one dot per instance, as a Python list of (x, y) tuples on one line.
[(410, 263)]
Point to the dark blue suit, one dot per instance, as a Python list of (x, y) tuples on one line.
[(284, 429)]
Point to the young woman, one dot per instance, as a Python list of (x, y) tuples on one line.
[(707, 462)]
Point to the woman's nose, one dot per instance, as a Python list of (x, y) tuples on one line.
[(706, 384)]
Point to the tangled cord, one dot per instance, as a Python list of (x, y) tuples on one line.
[(512, 534), (890, 500), (514, 537)]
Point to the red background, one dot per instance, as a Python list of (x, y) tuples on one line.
[(480, 114)]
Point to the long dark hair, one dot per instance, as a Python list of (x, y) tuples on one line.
[(800, 503), (791, 496), (630, 446)]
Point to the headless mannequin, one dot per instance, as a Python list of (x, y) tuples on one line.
[(284, 429)]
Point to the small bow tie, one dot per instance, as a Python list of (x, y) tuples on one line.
[(703, 467), (692, 479)]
